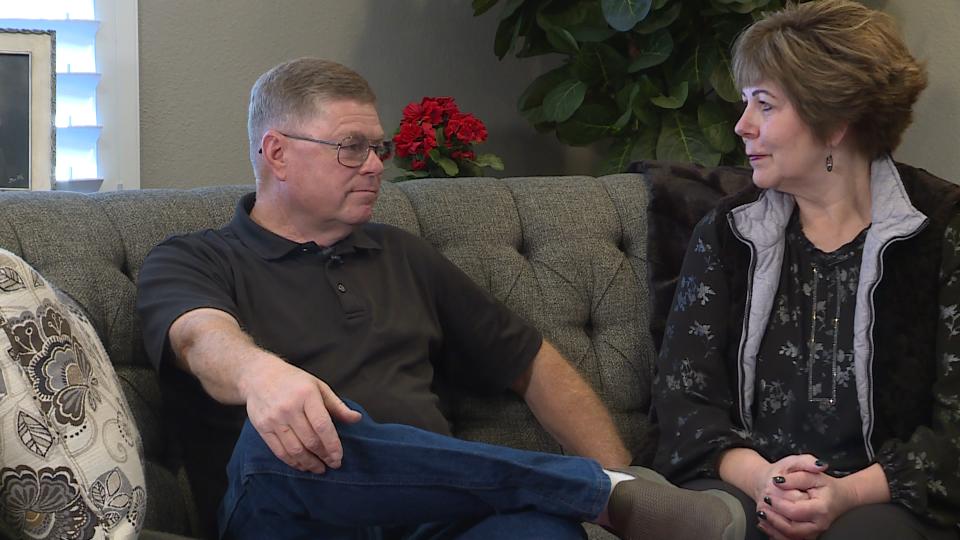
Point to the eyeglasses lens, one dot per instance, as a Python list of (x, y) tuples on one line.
[(353, 151)]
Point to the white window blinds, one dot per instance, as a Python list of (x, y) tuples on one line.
[(97, 120)]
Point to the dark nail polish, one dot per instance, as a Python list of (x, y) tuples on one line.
[(768, 500), (761, 514), (779, 479)]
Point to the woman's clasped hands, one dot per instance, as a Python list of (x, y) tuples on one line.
[(797, 499)]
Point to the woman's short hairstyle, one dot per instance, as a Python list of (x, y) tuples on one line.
[(839, 62), (296, 90)]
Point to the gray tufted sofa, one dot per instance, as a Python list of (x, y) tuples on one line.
[(567, 253)]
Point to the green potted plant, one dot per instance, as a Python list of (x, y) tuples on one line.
[(651, 78)]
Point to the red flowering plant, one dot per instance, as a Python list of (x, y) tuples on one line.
[(436, 139)]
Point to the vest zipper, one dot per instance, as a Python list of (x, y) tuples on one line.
[(868, 435), (746, 323)]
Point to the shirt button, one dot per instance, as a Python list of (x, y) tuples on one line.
[(341, 287)]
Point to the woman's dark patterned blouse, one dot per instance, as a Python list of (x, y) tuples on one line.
[(806, 393)]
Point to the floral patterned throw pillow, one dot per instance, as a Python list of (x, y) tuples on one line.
[(71, 462)]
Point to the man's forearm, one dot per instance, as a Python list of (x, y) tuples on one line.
[(210, 345), (569, 409)]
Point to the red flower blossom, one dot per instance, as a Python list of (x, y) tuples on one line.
[(463, 154), (420, 127), (466, 128), (412, 112), (408, 140)]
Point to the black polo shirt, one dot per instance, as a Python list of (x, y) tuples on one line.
[(375, 316)]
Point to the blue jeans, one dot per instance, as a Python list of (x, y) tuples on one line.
[(398, 481)]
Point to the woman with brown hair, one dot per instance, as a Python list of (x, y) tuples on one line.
[(811, 359)]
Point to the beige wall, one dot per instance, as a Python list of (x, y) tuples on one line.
[(198, 59), (930, 26)]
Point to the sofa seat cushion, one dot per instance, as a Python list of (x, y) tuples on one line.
[(71, 462)]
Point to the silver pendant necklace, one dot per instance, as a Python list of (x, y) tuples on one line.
[(811, 346)]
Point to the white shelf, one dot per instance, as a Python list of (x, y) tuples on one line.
[(80, 185), (79, 136), (77, 83)]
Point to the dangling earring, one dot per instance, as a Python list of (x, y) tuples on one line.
[(830, 163)]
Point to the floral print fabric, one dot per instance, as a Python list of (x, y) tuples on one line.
[(70, 455)]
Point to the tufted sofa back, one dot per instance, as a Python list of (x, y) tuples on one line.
[(567, 253)]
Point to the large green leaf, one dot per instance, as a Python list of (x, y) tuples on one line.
[(507, 32), (618, 157), (533, 96), (481, 6), (722, 80), (564, 100), (627, 96), (593, 27), (681, 140), (697, 67), (676, 99), (510, 7), (589, 124), (535, 47), (562, 40), (438, 134), (592, 34), (658, 4), (716, 122), (646, 145), (448, 165), (646, 113), (649, 87), (567, 15), (598, 63), (659, 19), (545, 127), (622, 121), (558, 36), (626, 150), (469, 168), (536, 116), (489, 160), (625, 14), (652, 50), (397, 174)]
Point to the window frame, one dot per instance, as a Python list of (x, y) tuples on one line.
[(118, 95)]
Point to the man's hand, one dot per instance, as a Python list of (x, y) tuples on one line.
[(824, 499), (294, 411)]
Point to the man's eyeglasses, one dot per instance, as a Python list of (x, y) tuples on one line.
[(353, 150)]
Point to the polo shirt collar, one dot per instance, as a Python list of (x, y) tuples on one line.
[(270, 245)]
